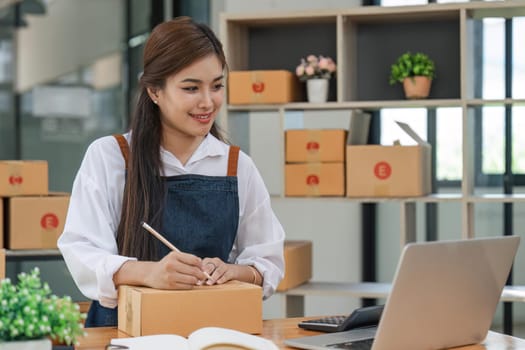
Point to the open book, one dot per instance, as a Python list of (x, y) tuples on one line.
[(209, 338)]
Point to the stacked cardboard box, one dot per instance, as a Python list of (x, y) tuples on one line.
[(315, 162), (33, 218)]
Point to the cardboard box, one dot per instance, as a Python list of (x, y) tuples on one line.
[(23, 177), (315, 145), (389, 171), (1, 223), (2, 264), (298, 264), (263, 87), (314, 179), (35, 222), (145, 311)]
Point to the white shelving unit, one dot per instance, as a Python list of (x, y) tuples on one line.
[(364, 42)]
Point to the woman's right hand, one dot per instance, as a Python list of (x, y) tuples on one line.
[(177, 270)]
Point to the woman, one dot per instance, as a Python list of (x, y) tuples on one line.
[(173, 171)]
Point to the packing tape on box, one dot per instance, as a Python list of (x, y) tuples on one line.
[(14, 177), (257, 87), (313, 145), (49, 224), (381, 190), (313, 179)]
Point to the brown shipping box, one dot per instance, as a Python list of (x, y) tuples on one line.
[(2, 264), (298, 264), (389, 171), (23, 177), (1, 222), (314, 179), (315, 145), (263, 87), (36, 222), (146, 311)]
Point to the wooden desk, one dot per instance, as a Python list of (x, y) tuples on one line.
[(280, 329)]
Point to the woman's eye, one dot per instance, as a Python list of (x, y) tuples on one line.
[(218, 86), (190, 88)]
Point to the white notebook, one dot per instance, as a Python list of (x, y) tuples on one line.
[(208, 338)]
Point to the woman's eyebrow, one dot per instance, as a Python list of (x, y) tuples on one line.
[(191, 80)]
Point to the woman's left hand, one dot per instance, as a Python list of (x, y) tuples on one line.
[(220, 271)]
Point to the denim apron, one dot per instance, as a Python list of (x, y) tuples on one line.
[(201, 215)]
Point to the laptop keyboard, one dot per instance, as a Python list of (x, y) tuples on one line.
[(365, 344)]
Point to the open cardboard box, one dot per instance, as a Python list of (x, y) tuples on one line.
[(389, 171), (146, 311)]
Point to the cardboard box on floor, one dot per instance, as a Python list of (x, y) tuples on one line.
[(35, 222), (315, 145), (389, 171), (263, 87), (314, 179), (146, 311), (23, 177), (298, 264)]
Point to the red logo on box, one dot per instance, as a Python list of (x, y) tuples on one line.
[(15, 180), (258, 87), (382, 170), (312, 146), (312, 180), (49, 221)]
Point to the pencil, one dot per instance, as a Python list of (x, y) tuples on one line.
[(165, 241)]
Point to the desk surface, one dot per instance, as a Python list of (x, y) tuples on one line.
[(279, 329)]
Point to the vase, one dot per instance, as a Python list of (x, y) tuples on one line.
[(33, 344), (317, 90), (417, 87)]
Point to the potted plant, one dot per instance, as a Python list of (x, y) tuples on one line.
[(32, 318), (316, 71), (416, 72)]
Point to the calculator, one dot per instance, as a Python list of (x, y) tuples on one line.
[(362, 317)]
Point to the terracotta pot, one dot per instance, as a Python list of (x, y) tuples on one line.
[(417, 87)]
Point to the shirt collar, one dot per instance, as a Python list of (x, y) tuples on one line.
[(209, 147)]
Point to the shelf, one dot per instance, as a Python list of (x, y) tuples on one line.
[(33, 253), (495, 102), (373, 290), (368, 105), (497, 198), (433, 198)]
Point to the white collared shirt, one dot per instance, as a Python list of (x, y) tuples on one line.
[(88, 242)]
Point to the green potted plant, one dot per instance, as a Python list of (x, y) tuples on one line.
[(416, 72), (31, 317)]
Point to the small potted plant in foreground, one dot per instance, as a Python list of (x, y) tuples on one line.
[(32, 318), (416, 72)]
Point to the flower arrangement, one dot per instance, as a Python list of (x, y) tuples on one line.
[(315, 67), (28, 310)]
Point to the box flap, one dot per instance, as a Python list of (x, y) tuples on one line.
[(359, 128), (406, 128)]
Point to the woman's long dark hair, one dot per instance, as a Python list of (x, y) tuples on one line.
[(172, 46)]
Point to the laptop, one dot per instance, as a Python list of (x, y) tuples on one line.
[(444, 294)]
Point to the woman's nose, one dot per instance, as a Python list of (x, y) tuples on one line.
[(206, 100)]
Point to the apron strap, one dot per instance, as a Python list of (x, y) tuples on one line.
[(124, 147), (233, 159)]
